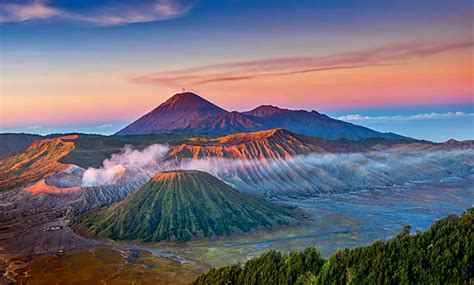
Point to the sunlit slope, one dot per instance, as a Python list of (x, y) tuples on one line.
[(36, 162), (182, 205), (280, 143), (270, 144), (278, 162)]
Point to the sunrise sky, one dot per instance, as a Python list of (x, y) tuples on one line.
[(95, 66)]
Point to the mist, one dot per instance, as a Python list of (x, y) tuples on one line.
[(129, 160), (298, 175), (324, 173)]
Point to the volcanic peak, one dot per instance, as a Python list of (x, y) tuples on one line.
[(175, 174), (183, 205), (188, 100)]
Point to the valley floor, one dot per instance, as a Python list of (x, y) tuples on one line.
[(338, 221)]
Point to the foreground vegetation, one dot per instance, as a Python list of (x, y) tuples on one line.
[(442, 255)]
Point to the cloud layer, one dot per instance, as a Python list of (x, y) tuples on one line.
[(389, 54), (425, 116), (104, 13)]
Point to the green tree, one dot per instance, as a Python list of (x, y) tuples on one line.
[(442, 255)]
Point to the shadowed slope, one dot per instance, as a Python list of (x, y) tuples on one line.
[(14, 143), (188, 113), (313, 124), (182, 205), (176, 115), (230, 123)]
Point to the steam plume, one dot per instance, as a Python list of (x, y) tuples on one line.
[(128, 159)]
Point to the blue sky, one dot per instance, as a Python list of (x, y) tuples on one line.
[(95, 66)]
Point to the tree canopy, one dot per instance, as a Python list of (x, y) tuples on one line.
[(444, 254)]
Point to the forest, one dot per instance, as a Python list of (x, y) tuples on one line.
[(444, 254)]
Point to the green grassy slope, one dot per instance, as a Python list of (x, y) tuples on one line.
[(442, 255), (182, 205)]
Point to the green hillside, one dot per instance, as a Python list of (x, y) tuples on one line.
[(182, 205), (442, 255)]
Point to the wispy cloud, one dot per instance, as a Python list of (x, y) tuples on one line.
[(105, 13), (389, 54), (105, 126), (36, 127), (425, 116), (14, 12)]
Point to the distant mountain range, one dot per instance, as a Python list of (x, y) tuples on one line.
[(51, 155), (188, 113)]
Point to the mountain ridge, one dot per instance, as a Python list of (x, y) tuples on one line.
[(263, 145), (40, 159), (279, 143), (188, 113)]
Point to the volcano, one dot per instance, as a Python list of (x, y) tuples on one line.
[(188, 113), (179, 114), (182, 205)]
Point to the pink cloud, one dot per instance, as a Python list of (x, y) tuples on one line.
[(102, 13), (23, 12), (383, 55)]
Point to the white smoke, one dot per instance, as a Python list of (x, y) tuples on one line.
[(304, 174), (102, 176), (314, 173), (128, 159)]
